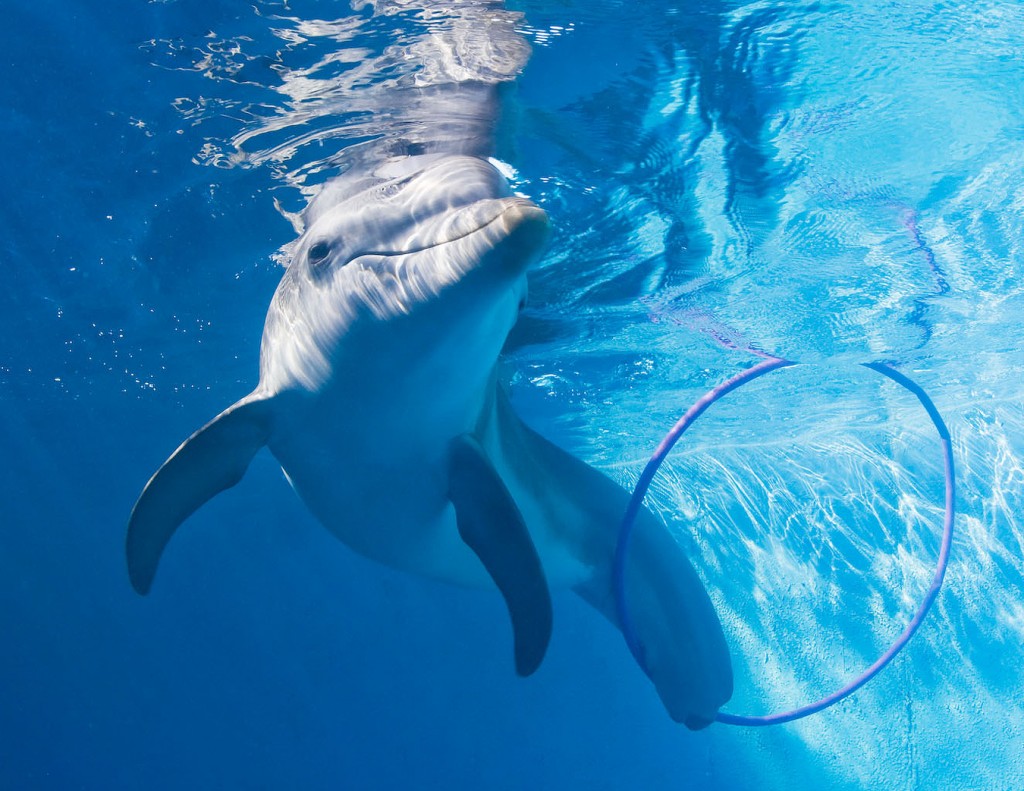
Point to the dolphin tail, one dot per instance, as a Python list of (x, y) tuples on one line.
[(683, 646), (213, 459)]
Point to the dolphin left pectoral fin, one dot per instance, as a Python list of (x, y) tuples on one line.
[(492, 526), (213, 459)]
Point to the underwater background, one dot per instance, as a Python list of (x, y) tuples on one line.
[(833, 182)]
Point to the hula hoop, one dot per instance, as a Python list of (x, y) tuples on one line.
[(662, 451)]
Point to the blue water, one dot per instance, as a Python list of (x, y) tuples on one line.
[(836, 183)]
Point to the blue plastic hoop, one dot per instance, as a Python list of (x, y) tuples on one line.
[(662, 451)]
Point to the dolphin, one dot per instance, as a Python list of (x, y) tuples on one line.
[(379, 396), (379, 391)]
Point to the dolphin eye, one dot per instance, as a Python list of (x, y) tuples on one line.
[(318, 253)]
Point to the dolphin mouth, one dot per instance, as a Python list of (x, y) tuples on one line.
[(502, 216), (508, 235), (517, 218), (499, 218)]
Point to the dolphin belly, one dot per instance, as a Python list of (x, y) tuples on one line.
[(390, 502)]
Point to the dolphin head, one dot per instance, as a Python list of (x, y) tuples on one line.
[(432, 246)]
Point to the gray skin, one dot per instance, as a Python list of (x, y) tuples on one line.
[(379, 396)]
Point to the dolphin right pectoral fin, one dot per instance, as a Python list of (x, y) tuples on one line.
[(492, 526), (211, 460)]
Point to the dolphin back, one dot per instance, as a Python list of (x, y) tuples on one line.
[(213, 459)]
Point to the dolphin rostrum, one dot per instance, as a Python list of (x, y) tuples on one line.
[(379, 396)]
